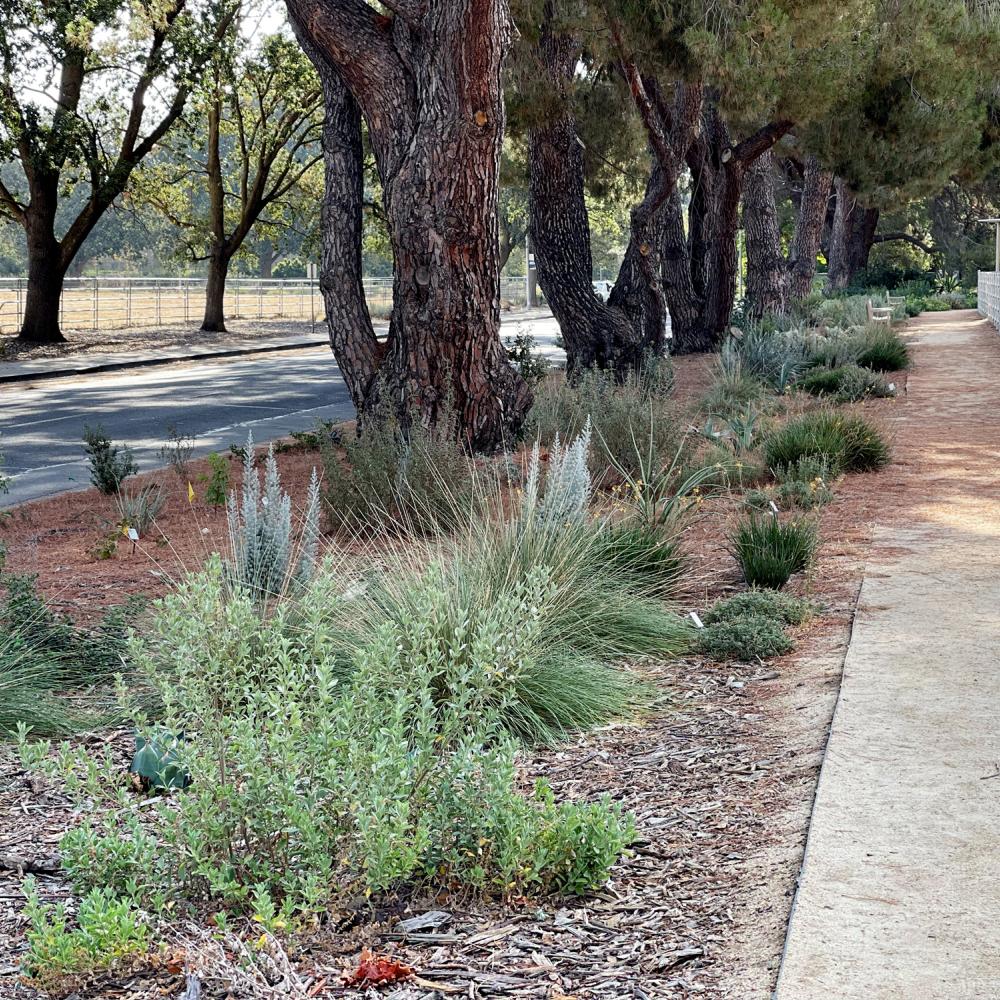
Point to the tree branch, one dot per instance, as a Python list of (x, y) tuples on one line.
[(761, 141), (904, 238)]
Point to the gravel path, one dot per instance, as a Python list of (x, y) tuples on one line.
[(899, 896)]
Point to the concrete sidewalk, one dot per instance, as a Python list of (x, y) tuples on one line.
[(899, 897)]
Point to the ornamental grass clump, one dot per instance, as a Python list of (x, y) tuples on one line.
[(773, 357), (617, 408), (49, 667), (847, 442), (769, 550), (883, 350), (392, 478)]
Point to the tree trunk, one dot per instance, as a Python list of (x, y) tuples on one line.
[(215, 293), (638, 291), (852, 238), (595, 335), (428, 81), (767, 276), (861, 241), (40, 323), (808, 229), (265, 259), (838, 270), (352, 337)]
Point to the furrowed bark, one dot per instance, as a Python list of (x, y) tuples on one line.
[(46, 270), (701, 300), (767, 278), (808, 229), (595, 334), (428, 82), (851, 239)]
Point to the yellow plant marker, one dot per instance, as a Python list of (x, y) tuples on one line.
[(190, 493)]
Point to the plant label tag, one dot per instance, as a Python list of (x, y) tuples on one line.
[(133, 535), (774, 507), (697, 621)]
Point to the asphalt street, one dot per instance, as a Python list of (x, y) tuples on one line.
[(217, 402)]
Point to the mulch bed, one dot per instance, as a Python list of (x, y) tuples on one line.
[(720, 779)]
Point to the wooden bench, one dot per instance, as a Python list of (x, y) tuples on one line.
[(879, 314)]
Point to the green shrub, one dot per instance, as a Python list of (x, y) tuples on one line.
[(625, 415), (395, 478), (847, 383), (532, 365), (745, 638), (109, 464), (937, 303), (849, 443), (771, 604), (884, 351), (857, 383), (217, 491), (769, 551), (332, 760), (107, 930)]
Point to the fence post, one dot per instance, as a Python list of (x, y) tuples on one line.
[(96, 312)]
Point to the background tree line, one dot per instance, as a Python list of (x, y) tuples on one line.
[(434, 134)]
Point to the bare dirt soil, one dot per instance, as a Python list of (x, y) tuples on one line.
[(138, 339), (721, 778)]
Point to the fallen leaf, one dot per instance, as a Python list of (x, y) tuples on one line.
[(374, 969)]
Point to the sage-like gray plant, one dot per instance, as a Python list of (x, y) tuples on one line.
[(567, 482), (260, 530)]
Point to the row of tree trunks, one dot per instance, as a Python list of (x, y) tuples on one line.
[(595, 334), (427, 80), (700, 265), (772, 281)]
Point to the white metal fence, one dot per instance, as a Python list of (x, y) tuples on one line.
[(989, 296), (112, 302)]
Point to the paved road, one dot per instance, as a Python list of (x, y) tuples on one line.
[(216, 401)]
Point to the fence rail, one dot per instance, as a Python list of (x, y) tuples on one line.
[(109, 302), (988, 296)]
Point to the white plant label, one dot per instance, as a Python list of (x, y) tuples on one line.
[(697, 621)]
